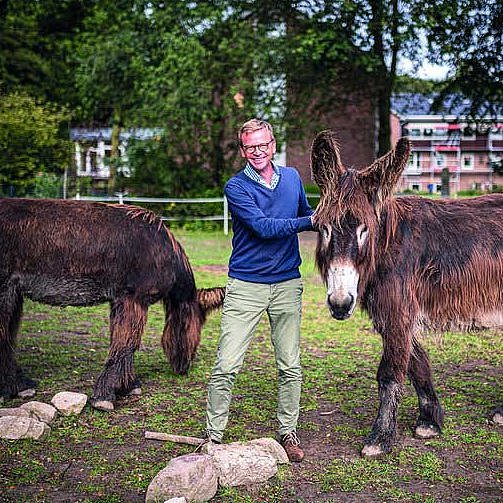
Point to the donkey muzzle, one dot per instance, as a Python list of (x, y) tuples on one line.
[(341, 308), (342, 283)]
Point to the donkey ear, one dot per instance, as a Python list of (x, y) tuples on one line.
[(381, 177), (326, 166)]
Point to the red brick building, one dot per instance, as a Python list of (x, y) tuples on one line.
[(439, 140), (354, 121), (447, 140)]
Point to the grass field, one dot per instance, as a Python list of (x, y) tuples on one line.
[(100, 457)]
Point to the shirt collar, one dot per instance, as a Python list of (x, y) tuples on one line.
[(251, 173)]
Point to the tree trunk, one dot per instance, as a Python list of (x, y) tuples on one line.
[(114, 152), (383, 114)]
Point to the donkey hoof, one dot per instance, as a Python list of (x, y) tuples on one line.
[(135, 392), (426, 431), (27, 393), (498, 418), (103, 405), (372, 451)]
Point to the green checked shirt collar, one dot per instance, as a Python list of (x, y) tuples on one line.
[(251, 173)]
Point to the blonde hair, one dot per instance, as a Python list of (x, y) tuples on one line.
[(254, 125)]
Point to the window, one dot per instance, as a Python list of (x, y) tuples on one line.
[(415, 186), (413, 164), (415, 132), (440, 160), (467, 161)]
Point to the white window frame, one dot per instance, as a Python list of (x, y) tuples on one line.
[(439, 160), (413, 164), (471, 157)]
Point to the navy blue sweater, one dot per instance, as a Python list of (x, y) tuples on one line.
[(265, 247)]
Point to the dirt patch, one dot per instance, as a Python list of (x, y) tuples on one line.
[(213, 268)]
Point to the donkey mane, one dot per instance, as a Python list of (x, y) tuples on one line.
[(150, 217)]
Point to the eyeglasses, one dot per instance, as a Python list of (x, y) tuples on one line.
[(262, 147)]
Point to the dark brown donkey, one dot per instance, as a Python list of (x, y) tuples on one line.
[(414, 264), (74, 253)]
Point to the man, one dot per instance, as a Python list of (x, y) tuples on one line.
[(269, 207)]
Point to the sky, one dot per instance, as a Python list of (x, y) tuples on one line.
[(426, 71)]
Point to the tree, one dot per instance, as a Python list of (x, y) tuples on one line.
[(106, 75), (35, 45), (333, 50), (33, 141), (203, 71), (467, 35)]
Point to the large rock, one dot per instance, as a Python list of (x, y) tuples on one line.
[(10, 411), (41, 411), (273, 447), (192, 476), (15, 427), (68, 402), (241, 463)]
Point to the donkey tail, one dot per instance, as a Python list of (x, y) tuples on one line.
[(210, 298)]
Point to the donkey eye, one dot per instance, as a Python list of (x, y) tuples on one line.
[(361, 235)]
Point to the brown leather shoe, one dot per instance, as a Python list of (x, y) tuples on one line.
[(291, 443)]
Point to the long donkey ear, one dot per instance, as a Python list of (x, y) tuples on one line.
[(381, 177), (326, 166)]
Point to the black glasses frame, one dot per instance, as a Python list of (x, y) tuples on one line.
[(262, 147)]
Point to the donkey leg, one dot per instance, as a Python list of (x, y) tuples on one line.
[(431, 415), (127, 322), (390, 378), (12, 380)]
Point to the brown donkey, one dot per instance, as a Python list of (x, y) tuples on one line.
[(414, 264), (74, 253)]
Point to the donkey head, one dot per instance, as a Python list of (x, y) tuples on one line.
[(348, 217)]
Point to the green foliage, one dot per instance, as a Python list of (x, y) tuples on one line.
[(46, 185), (32, 143), (408, 84), (470, 192), (468, 36), (158, 172)]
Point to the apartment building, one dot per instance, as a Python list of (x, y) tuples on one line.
[(468, 149)]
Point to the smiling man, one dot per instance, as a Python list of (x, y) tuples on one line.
[(268, 207)]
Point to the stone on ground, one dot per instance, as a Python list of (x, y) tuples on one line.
[(11, 411), (68, 402), (241, 463), (41, 411), (273, 447), (15, 427), (192, 476)]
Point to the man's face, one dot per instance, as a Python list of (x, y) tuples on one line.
[(258, 148)]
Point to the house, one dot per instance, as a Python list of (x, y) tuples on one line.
[(447, 139), (93, 146)]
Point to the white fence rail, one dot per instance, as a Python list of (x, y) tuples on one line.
[(124, 198)]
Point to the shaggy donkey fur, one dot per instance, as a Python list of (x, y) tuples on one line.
[(73, 253), (415, 264)]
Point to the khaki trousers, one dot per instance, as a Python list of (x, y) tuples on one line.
[(243, 307)]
